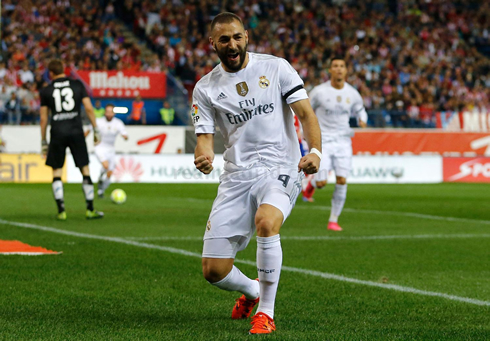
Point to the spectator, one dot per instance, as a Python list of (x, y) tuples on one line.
[(138, 113), (399, 116), (26, 75), (2, 144), (411, 50), (12, 108), (3, 70), (98, 110), (167, 113), (4, 97), (413, 112)]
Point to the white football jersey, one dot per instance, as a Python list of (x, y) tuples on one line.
[(109, 131), (251, 109), (334, 107)]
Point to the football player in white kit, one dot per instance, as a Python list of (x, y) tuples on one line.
[(105, 151), (248, 97), (334, 103)]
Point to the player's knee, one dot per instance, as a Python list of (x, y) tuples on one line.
[(321, 184), (341, 180), (266, 226), (109, 174), (212, 272)]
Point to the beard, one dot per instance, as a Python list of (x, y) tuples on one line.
[(233, 65)]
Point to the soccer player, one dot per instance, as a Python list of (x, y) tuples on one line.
[(105, 151), (334, 103), (64, 97), (248, 97)]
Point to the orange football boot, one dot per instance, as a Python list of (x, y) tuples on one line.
[(243, 308), (262, 324)]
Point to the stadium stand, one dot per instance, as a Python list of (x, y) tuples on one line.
[(409, 59)]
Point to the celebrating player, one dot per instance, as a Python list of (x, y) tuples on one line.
[(105, 151), (244, 96), (64, 97), (334, 102)]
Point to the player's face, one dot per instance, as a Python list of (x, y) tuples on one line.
[(230, 41), (109, 113), (338, 70)]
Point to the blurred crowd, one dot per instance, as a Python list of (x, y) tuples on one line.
[(409, 59)]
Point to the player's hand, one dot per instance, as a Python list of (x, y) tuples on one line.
[(44, 148), (310, 163), (97, 137), (204, 164)]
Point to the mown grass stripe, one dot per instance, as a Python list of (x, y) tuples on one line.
[(252, 263)]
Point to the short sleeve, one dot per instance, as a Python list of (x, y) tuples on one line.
[(83, 91), (314, 98), (122, 128), (292, 86), (358, 108), (202, 112), (44, 98)]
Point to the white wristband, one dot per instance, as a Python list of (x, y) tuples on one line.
[(316, 152)]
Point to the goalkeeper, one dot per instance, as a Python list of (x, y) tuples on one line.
[(64, 98)]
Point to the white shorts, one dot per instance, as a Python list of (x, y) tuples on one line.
[(231, 223), (106, 154), (337, 155)]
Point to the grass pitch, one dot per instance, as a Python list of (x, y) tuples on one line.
[(430, 242)]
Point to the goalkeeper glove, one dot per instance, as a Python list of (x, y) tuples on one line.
[(44, 147), (97, 136)]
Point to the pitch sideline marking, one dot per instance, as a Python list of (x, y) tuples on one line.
[(313, 238), (285, 268), (361, 210)]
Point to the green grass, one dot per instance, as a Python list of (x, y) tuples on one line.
[(101, 290)]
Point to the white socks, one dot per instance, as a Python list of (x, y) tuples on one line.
[(338, 201), (57, 189), (57, 186), (105, 185), (269, 262), (237, 281)]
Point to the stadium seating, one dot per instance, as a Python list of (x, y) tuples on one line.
[(408, 59)]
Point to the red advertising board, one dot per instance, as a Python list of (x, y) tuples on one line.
[(464, 169), (125, 84), (420, 142)]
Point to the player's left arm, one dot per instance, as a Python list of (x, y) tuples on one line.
[(89, 109), (310, 163), (123, 132), (360, 111), (293, 92)]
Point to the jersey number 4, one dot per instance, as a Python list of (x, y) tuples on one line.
[(63, 98)]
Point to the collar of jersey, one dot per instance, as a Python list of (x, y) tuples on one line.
[(239, 72)]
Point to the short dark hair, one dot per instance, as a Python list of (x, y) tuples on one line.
[(109, 105), (56, 67), (225, 18), (337, 57)]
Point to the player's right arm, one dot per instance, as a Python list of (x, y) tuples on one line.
[(204, 153), (43, 121), (202, 114)]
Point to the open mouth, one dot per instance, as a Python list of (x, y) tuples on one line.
[(233, 56)]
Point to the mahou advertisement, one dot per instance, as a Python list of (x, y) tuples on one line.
[(125, 84)]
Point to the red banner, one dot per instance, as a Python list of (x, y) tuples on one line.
[(125, 84), (463, 169), (419, 142)]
